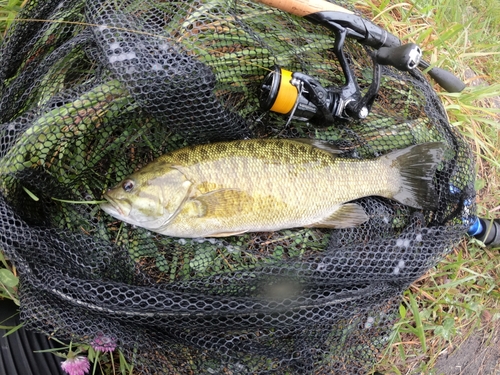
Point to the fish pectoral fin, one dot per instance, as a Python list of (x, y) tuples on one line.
[(221, 202), (226, 234), (347, 216), (194, 209)]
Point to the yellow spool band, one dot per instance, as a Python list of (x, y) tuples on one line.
[(287, 94)]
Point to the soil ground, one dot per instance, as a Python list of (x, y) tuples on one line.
[(479, 354)]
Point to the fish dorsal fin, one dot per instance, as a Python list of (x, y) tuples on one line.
[(322, 145), (221, 203), (348, 215)]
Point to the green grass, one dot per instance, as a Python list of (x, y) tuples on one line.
[(8, 11), (461, 294)]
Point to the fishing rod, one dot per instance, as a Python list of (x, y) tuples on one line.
[(302, 97), (390, 49)]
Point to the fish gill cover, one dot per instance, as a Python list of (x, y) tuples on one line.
[(101, 88)]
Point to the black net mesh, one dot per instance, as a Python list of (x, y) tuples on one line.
[(103, 87)]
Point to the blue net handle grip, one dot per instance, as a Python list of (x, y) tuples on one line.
[(476, 228), (487, 231)]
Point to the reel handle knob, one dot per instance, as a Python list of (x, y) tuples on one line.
[(447, 80)]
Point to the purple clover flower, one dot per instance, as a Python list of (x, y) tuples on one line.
[(104, 343), (76, 365)]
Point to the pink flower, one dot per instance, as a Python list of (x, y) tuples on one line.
[(76, 365), (104, 343)]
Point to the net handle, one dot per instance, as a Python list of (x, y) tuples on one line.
[(304, 8)]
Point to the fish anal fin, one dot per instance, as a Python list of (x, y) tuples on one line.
[(347, 216)]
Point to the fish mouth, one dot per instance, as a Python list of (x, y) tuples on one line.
[(113, 208)]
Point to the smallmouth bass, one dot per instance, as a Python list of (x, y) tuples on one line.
[(264, 185)]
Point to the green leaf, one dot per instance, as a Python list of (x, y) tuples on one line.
[(7, 278), (419, 329), (447, 329), (479, 184), (31, 194), (92, 354), (3, 260), (402, 311), (14, 329), (125, 367)]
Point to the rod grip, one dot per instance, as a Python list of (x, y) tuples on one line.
[(303, 8)]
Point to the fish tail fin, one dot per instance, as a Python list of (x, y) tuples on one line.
[(417, 165)]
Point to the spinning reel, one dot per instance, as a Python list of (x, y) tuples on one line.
[(303, 98)]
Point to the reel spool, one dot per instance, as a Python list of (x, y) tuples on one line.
[(282, 92)]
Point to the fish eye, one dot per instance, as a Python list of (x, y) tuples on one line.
[(128, 185)]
